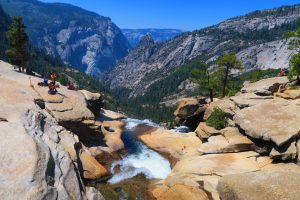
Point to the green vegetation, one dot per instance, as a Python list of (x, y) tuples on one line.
[(43, 64), (17, 40), (295, 59), (295, 66), (227, 63), (217, 119)]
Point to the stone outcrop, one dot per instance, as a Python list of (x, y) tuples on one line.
[(171, 144), (94, 101), (204, 131), (270, 185), (289, 94), (39, 158), (190, 111), (275, 121), (225, 105), (265, 87), (230, 140)]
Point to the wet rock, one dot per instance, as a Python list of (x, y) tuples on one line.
[(276, 120), (112, 131), (271, 185)]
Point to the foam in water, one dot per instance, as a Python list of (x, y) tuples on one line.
[(146, 162), (132, 123), (181, 129)]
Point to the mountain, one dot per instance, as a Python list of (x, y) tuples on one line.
[(4, 23), (83, 39), (137, 71), (134, 36)]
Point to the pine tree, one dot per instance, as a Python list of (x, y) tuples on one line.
[(17, 39), (227, 63), (295, 66)]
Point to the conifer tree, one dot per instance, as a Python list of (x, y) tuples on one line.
[(17, 39), (227, 63)]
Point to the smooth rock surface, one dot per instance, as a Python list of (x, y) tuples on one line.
[(265, 86), (271, 185), (276, 120)]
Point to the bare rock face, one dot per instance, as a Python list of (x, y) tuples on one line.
[(270, 55), (81, 38), (40, 158), (271, 185), (275, 121), (137, 72)]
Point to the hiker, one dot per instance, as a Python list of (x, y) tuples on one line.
[(52, 84), (70, 85), (282, 73)]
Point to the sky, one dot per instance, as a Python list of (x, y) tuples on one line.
[(186, 15)]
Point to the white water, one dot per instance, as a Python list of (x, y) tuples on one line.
[(132, 123), (143, 161), (181, 129)]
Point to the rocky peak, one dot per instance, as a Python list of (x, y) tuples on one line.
[(147, 40), (83, 39)]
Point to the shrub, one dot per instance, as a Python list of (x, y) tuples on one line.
[(217, 119)]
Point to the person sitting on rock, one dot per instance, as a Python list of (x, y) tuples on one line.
[(52, 88), (282, 73), (52, 84), (70, 86)]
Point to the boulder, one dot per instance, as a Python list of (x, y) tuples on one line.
[(243, 100), (94, 101), (204, 131), (190, 111), (265, 87), (230, 141), (108, 115), (173, 145), (267, 185), (112, 131), (226, 105), (276, 120)]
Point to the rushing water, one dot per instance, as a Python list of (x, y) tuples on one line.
[(140, 159)]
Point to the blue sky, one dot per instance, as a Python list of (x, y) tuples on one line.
[(182, 14)]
